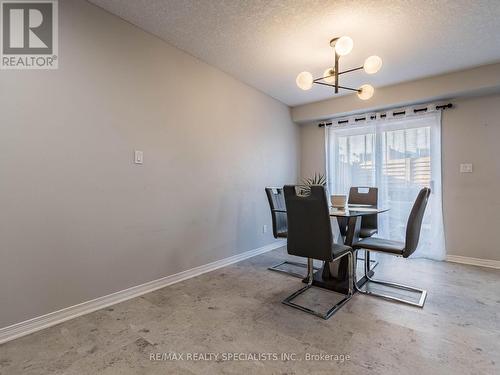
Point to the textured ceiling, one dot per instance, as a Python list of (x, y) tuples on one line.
[(266, 43)]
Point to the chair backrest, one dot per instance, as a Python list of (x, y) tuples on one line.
[(415, 222), (358, 195), (277, 202), (309, 227)]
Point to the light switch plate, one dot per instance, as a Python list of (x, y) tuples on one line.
[(138, 157), (466, 168)]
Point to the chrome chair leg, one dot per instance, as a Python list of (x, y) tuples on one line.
[(310, 276), (423, 293), (291, 273), (373, 262)]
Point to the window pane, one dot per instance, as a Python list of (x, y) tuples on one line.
[(399, 156), (355, 162), (406, 168)]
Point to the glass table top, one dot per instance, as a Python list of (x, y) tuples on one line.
[(356, 210), (352, 210)]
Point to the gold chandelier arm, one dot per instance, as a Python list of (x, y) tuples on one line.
[(340, 87), (349, 88), (351, 70), (323, 83), (316, 80)]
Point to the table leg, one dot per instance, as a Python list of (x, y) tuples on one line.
[(364, 279), (352, 235), (353, 228), (333, 275), (342, 222)]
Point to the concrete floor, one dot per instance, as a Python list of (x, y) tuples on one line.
[(237, 309)]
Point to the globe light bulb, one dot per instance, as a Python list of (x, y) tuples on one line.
[(329, 73), (304, 80), (366, 92), (343, 45), (372, 64)]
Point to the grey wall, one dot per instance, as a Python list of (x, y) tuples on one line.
[(470, 134), (78, 219), (471, 202)]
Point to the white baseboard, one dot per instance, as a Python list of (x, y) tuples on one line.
[(473, 261), (36, 324)]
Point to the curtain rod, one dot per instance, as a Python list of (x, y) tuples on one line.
[(383, 115)]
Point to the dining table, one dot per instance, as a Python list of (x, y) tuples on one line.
[(334, 275)]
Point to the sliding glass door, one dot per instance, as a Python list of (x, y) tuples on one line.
[(399, 156)]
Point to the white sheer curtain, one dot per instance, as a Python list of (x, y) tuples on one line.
[(399, 156)]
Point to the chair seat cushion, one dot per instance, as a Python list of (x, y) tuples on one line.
[(367, 232), (283, 234), (380, 244), (338, 250)]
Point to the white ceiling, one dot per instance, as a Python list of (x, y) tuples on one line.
[(266, 43)]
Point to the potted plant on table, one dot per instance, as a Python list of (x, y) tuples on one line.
[(305, 186)]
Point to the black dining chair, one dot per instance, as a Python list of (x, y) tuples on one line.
[(359, 195), (310, 236), (365, 195), (276, 201), (402, 249)]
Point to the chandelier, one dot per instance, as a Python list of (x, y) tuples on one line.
[(342, 46)]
